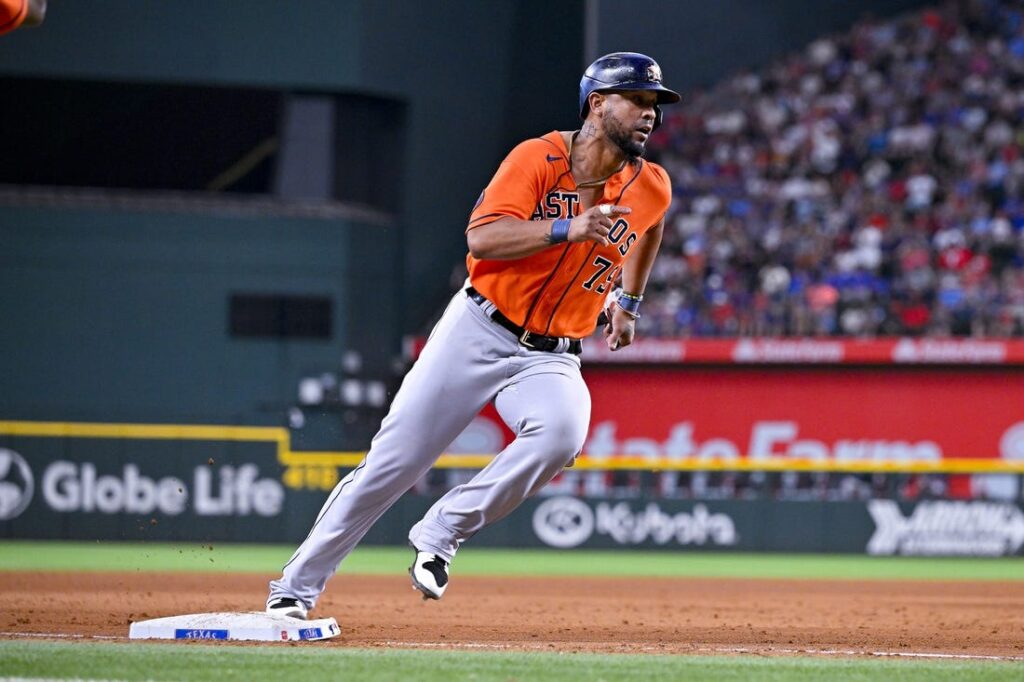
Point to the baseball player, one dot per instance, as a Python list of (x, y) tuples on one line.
[(18, 13), (564, 218)]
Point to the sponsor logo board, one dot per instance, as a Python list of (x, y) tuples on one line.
[(768, 351), (946, 528), (788, 351), (766, 439), (68, 487), (224, 491), (566, 522), (949, 351), (894, 414)]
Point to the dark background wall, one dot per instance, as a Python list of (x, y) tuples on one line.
[(451, 62), (125, 316), (114, 315), (118, 314)]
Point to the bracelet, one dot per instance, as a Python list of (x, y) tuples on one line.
[(560, 231)]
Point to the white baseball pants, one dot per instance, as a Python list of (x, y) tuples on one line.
[(467, 362)]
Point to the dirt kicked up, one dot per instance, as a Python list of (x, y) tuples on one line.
[(677, 616)]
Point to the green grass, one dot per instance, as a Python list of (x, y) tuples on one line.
[(110, 556), (313, 662)]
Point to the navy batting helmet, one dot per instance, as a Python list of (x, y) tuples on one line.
[(624, 71)]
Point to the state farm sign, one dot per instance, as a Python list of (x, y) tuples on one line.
[(766, 439), (816, 413)]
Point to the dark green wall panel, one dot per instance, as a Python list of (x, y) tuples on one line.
[(313, 43), (121, 316), (451, 62)]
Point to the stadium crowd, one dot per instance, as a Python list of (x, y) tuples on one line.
[(871, 185)]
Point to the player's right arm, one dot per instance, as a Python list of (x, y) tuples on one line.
[(508, 237)]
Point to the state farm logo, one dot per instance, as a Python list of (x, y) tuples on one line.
[(16, 484), (949, 350), (780, 350), (767, 439), (641, 350)]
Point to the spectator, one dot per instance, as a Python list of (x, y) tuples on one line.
[(872, 185)]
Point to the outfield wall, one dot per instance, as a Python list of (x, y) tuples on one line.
[(245, 484), (127, 316), (190, 482), (194, 494)]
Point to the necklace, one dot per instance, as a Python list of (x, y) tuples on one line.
[(591, 183)]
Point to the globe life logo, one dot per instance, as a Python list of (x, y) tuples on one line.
[(70, 487), (16, 484), (226, 491)]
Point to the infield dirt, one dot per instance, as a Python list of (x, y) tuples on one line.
[(650, 615)]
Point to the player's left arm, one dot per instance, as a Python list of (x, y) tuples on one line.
[(636, 270)]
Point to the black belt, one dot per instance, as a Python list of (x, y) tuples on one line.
[(548, 344)]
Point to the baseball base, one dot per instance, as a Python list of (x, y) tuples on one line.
[(250, 626)]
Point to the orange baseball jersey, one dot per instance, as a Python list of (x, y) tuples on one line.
[(12, 14), (561, 290)]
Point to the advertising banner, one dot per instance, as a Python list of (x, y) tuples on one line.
[(817, 414), (197, 492), (143, 490), (877, 527), (812, 351), (797, 351), (946, 528), (850, 417)]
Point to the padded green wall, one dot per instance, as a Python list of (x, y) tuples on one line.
[(124, 316)]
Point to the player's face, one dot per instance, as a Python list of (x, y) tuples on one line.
[(628, 119)]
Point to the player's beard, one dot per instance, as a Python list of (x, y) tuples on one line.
[(622, 137)]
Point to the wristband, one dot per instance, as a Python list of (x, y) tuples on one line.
[(629, 303), (560, 231), (634, 315)]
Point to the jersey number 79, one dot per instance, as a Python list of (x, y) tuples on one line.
[(603, 265)]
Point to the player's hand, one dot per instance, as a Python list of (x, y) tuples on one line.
[(620, 328), (594, 224)]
